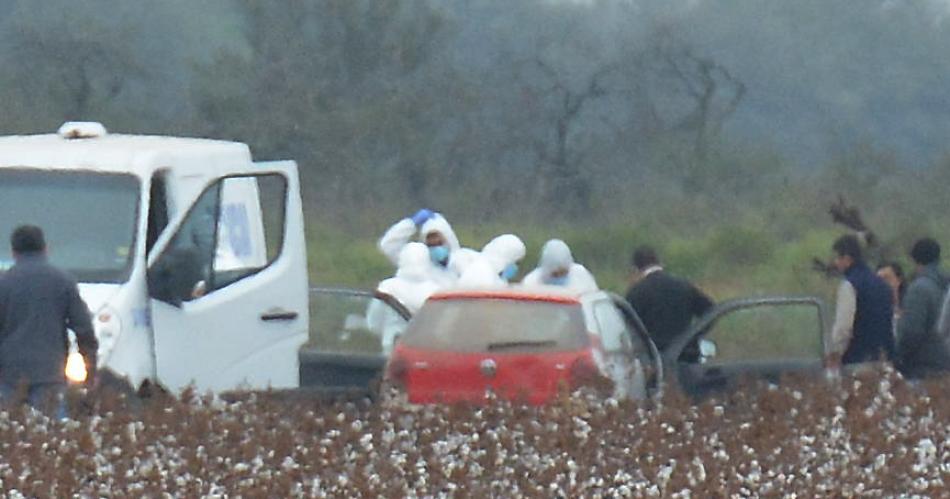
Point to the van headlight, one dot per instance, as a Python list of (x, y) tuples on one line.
[(75, 367)]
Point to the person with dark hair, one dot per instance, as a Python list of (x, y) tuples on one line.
[(38, 304), (864, 308), (666, 304), (921, 351)]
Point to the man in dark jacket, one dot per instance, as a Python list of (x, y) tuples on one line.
[(38, 303), (666, 304), (864, 308), (920, 349)]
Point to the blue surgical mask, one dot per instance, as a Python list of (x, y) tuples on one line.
[(439, 255), (556, 281), (511, 270)]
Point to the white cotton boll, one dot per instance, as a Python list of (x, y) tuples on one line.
[(699, 469), (926, 452), (663, 477), (366, 440)]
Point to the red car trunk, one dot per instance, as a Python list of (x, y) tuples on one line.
[(461, 346), (447, 377)]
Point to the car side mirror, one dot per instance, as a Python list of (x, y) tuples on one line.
[(707, 350)]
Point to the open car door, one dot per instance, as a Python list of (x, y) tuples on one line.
[(643, 347), (351, 336), (228, 285), (761, 338)]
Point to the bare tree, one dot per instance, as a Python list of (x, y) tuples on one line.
[(561, 159), (690, 95), (77, 63)]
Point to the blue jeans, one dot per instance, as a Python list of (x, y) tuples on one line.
[(46, 397)]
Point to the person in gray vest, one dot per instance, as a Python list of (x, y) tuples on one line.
[(38, 304), (921, 351)]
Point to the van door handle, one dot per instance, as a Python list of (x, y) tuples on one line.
[(279, 315)]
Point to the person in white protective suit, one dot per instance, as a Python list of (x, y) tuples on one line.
[(496, 265), (447, 255), (411, 286), (557, 268)]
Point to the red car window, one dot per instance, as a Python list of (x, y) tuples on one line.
[(497, 325)]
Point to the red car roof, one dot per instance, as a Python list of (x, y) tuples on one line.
[(514, 294)]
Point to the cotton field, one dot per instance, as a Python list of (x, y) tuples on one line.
[(868, 436)]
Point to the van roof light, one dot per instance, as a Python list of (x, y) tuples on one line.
[(81, 130)]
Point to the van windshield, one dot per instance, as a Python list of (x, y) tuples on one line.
[(497, 325), (88, 219)]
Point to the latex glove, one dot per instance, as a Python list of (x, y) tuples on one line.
[(422, 216)]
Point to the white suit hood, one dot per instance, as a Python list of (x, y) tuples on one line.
[(555, 255), (439, 224), (402, 232), (414, 263), (483, 269), (503, 251), (414, 281)]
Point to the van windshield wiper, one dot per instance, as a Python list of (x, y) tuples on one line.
[(504, 345)]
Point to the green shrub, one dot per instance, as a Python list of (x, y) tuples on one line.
[(735, 245)]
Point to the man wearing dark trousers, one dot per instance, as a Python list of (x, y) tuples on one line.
[(38, 304), (666, 304)]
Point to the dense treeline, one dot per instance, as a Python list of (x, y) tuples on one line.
[(674, 121)]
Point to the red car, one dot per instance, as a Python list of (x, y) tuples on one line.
[(522, 344)]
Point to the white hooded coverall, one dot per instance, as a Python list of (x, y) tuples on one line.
[(557, 255), (484, 269), (411, 286), (393, 241)]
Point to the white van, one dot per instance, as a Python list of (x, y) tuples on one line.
[(190, 255)]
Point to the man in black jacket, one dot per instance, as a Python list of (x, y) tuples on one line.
[(666, 304), (38, 303)]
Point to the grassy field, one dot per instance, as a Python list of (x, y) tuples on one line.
[(726, 261)]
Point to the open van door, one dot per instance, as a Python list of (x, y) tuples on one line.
[(762, 338), (228, 285)]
